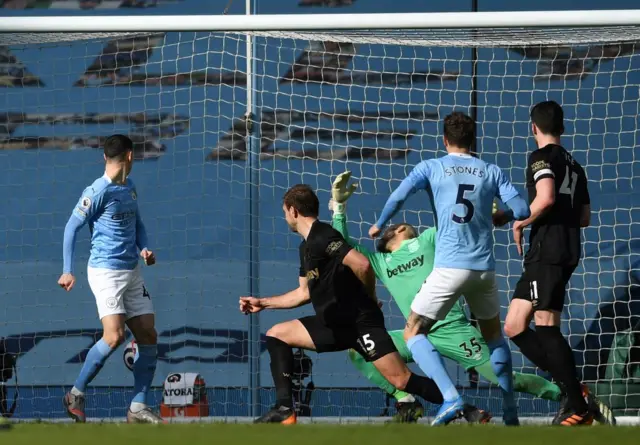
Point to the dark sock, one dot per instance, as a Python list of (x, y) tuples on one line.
[(281, 370), (529, 343), (425, 388), (562, 365)]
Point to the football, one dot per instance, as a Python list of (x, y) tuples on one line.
[(130, 354)]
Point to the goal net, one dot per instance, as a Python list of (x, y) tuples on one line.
[(316, 103)]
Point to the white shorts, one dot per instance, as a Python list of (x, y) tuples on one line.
[(119, 292), (444, 287)]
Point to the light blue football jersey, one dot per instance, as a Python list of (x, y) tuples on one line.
[(117, 231), (462, 189)]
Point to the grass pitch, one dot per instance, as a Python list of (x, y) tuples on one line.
[(191, 434)]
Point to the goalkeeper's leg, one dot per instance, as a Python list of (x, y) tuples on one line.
[(528, 383), (461, 342)]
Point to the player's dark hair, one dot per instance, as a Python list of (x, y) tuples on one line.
[(459, 129), (391, 232), (117, 146), (302, 198), (548, 117)]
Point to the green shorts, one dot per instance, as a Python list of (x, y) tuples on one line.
[(460, 342)]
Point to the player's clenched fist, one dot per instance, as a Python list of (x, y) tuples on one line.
[(66, 281), (148, 257), (250, 305), (374, 231)]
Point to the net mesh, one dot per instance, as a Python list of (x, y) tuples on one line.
[(444, 37), (370, 102)]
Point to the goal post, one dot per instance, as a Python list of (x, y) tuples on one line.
[(227, 112), (316, 22)]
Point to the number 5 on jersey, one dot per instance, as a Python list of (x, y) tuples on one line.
[(367, 343), (460, 199)]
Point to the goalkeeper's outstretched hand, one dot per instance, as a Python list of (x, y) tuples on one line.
[(341, 190)]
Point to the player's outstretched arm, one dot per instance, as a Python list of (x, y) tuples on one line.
[(292, 299), (84, 210), (341, 191), (417, 179)]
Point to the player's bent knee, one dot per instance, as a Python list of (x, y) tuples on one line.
[(518, 317), (114, 338), (409, 333), (512, 329), (514, 326), (417, 324), (278, 331)]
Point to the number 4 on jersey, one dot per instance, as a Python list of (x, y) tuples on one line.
[(568, 186)]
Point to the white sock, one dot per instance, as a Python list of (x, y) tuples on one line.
[(407, 399), (76, 392), (136, 407)]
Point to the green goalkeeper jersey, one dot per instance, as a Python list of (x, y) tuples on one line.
[(403, 272)]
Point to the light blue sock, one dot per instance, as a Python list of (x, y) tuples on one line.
[(144, 368), (503, 369), (97, 355), (431, 363)]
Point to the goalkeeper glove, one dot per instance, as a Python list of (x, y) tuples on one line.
[(495, 207), (341, 191)]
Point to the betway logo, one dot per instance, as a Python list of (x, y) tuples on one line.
[(402, 268)]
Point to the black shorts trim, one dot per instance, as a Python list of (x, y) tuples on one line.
[(369, 339), (544, 285)]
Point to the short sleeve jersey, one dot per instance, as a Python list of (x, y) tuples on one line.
[(555, 238), (337, 295)]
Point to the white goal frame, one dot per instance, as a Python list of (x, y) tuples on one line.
[(316, 22), (16, 30)]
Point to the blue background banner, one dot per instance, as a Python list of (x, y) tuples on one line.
[(193, 186)]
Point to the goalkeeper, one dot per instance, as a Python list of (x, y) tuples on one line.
[(402, 263)]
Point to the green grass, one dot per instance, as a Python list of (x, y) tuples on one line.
[(220, 434)]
